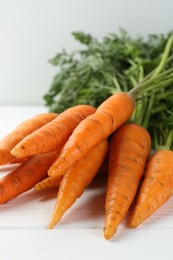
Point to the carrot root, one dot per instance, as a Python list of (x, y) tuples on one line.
[(156, 188), (129, 150), (76, 179), (53, 135)]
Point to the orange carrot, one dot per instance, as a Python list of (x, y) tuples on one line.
[(112, 113), (22, 130), (25, 176), (76, 179), (49, 182), (156, 188), (129, 150), (53, 135)]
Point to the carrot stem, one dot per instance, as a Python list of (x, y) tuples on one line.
[(164, 57), (156, 73), (169, 140)]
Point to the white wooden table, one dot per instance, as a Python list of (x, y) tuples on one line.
[(23, 221)]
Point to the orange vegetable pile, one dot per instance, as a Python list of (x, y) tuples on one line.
[(70, 163), (67, 150)]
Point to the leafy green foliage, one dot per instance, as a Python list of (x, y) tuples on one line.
[(100, 68)]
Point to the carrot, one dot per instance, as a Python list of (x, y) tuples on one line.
[(49, 182), (112, 113), (156, 188), (22, 130), (53, 135), (76, 179), (25, 176), (129, 150)]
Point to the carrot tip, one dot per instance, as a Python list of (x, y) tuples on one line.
[(15, 152), (51, 225), (37, 187), (108, 232), (137, 218), (133, 224), (52, 172)]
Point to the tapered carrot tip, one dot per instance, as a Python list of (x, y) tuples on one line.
[(51, 225), (17, 152), (52, 171), (109, 232), (55, 219), (134, 223)]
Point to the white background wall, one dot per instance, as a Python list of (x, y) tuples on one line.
[(33, 31)]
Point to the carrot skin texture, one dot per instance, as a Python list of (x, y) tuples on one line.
[(95, 128), (76, 179), (22, 130), (49, 182), (156, 188), (25, 176), (53, 135), (129, 150)]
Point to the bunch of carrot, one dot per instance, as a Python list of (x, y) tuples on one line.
[(67, 151)]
